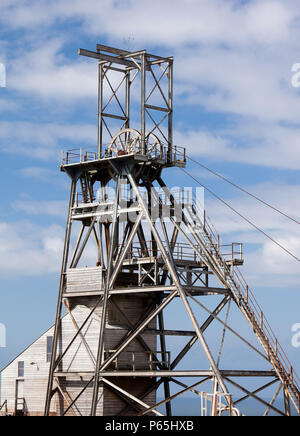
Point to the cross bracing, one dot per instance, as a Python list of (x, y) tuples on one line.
[(155, 251)]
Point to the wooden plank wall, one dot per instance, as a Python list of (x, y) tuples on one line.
[(78, 359), (84, 279)]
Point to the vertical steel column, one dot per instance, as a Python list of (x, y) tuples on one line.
[(100, 250), (168, 258), (100, 352), (164, 355), (59, 302), (100, 101), (127, 100), (143, 102), (170, 117), (287, 404)]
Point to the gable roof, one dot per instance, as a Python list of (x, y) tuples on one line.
[(6, 366)]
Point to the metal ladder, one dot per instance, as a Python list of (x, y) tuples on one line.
[(84, 188)]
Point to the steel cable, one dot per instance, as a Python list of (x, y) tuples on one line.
[(241, 189), (242, 216)]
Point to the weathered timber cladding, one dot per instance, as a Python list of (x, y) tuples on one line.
[(81, 358), (84, 279), (114, 405), (82, 407), (35, 378)]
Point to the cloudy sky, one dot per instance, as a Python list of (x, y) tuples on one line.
[(236, 111)]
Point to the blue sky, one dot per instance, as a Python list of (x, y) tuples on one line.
[(236, 111)]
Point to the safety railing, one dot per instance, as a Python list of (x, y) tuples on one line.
[(152, 359), (184, 251), (264, 325), (107, 196), (232, 252), (78, 155), (148, 249), (217, 404), (129, 147), (80, 199), (229, 252), (177, 194), (254, 312), (201, 220), (181, 251), (155, 152), (137, 360), (177, 154)]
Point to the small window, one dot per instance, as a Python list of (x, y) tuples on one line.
[(20, 369), (49, 347)]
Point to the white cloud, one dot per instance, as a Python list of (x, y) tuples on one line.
[(44, 141), (226, 58), (26, 249), (248, 142), (50, 208), (45, 175), (38, 173), (276, 258), (229, 59), (254, 83), (271, 267), (7, 106), (202, 143), (44, 71), (280, 195), (171, 22), (266, 264)]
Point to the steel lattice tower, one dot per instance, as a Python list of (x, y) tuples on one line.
[(154, 248)]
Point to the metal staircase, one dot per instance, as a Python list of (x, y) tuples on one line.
[(135, 280), (84, 188), (233, 279)]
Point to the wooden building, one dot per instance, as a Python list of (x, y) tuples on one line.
[(24, 380)]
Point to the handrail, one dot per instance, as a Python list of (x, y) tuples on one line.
[(207, 223), (181, 251), (85, 154), (4, 405), (216, 406), (151, 359), (254, 312), (262, 321), (250, 303)]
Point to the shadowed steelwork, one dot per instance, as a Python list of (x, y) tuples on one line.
[(133, 251)]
